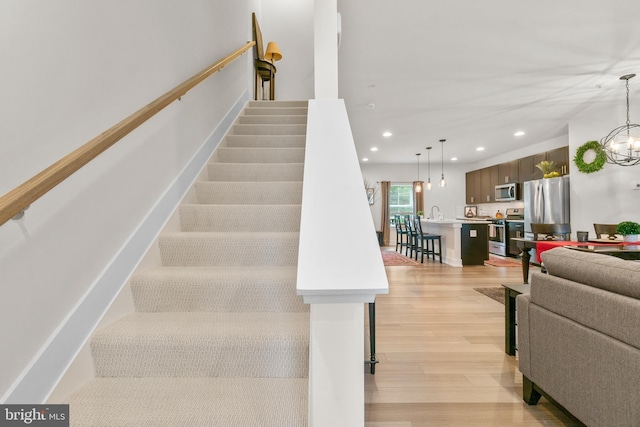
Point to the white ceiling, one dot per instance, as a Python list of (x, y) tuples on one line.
[(473, 72)]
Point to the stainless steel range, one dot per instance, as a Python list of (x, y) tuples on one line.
[(500, 234)]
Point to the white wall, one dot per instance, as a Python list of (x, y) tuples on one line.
[(448, 199), (290, 24), (70, 70), (605, 196)]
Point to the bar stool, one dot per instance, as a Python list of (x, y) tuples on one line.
[(402, 236), (411, 237), (429, 240)]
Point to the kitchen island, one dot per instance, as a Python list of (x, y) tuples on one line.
[(460, 240)]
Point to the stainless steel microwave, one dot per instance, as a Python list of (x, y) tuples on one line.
[(506, 192)]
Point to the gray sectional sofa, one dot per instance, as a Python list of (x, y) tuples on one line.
[(579, 337)]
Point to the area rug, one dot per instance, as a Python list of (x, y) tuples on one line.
[(392, 258), (493, 293), (503, 262)]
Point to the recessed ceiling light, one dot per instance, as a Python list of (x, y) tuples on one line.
[(519, 133), (453, 159), (480, 149), (387, 134), (374, 148), (364, 159)]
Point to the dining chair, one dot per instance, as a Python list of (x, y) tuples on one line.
[(551, 231), (611, 230)]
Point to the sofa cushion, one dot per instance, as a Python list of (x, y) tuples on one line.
[(609, 313), (596, 270), (591, 375)]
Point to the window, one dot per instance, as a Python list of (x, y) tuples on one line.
[(400, 200)]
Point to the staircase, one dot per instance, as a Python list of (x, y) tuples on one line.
[(219, 336)]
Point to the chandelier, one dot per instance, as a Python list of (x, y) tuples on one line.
[(622, 145)]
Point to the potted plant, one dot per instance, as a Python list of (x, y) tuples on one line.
[(630, 230)]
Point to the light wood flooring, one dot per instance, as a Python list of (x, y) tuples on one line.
[(441, 350)]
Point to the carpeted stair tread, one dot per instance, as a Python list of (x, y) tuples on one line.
[(253, 193), (229, 248), (203, 344), (260, 155), (219, 336), (276, 129), (191, 402), (248, 172), (219, 289), (278, 111), (265, 141), (213, 217), (264, 119)]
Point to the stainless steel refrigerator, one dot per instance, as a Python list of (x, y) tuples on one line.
[(546, 201)]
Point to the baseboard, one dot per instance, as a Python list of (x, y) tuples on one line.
[(47, 368)]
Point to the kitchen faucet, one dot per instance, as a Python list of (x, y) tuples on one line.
[(431, 216)]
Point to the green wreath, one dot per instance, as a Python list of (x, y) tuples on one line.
[(596, 164)]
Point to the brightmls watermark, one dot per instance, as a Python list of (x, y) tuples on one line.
[(34, 415)]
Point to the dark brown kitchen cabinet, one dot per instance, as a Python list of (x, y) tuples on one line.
[(508, 172), (471, 178), (488, 182), (528, 170), (481, 183), (561, 157)]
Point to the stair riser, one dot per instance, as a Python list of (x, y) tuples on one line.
[(229, 249), (278, 104), (284, 111), (241, 193), (266, 141), (249, 172), (241, 218), (199, 356), (152, 402), (216, 297), (272, 120), (268, 130), (260, 155)]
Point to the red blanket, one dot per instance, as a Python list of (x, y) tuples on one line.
[(545, 245)]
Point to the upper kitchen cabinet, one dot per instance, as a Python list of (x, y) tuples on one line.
[(509, 172), (471, 179), (528, 170), (561, 157), (489, 180)]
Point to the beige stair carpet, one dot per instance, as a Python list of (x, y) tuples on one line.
[(219, 336)]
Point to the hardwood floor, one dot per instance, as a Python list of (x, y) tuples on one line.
[(441, 349)]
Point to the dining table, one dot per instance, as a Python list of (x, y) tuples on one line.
[(617, 248)]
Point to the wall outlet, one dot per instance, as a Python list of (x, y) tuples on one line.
[(636, 186)]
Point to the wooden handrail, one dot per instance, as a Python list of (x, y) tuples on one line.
[(18, 199)]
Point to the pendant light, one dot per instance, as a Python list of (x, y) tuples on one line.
[(418, 185), (621, 147), (429, 168), (443, 183)]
